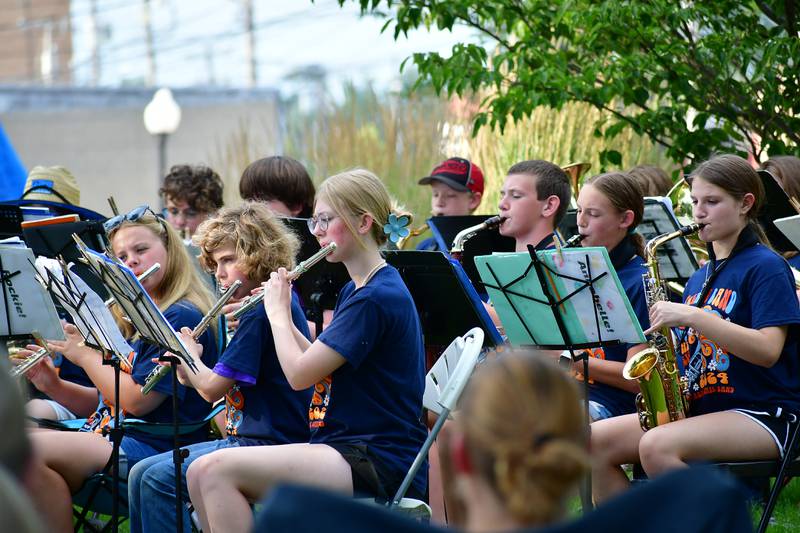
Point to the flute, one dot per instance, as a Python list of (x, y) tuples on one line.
[(303, 267), (160, 371), (31, 361)]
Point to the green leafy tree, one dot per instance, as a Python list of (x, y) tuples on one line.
[(694, 76)]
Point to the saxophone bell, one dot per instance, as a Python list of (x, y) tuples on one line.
[(664, 393)]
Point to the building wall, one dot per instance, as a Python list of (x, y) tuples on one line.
[(99, 135), (34, 33)]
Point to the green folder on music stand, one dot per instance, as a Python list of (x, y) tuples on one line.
[(586, 305)]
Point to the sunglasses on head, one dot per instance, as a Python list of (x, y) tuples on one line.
[(132, 216)]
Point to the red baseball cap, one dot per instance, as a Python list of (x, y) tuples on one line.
[(458, 173)]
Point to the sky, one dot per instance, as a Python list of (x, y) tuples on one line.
[(202, 42)]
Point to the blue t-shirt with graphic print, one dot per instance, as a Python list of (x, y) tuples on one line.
[(619, 401), (753, 289), (262, 407), (191, 407), (375, 398)]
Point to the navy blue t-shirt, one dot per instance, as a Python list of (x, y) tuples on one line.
[(753, 289), (616, 400), (191, 407), (375, 398), (262, 406), (794, 261)]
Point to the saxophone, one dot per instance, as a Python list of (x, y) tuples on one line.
[(664, 393), (457, 248)]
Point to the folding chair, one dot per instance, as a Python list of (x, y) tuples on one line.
[(95, 495), (787, 467), (443, 387)]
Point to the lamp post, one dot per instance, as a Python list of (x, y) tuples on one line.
[(162, 116)]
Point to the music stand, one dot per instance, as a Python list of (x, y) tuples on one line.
[(561, 299), (445, 229), (154, 328), (100, 332), (776, 205), (446, 301), (56, 241), (26, 308), (10, 221), (319, 287)]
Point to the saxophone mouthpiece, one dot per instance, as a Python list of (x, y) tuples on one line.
[(493, 222), (691, 228), (573, 241)]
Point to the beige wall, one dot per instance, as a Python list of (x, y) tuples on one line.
[(25, 26), (110, 153)]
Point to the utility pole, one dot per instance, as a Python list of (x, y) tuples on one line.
[(250, 43), (94, 37), (150, 75), (29, 39)]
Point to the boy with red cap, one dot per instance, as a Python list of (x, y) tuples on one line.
[(456, 190)]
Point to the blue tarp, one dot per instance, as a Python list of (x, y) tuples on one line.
[(12, 173)]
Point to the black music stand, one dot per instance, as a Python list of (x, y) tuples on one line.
[(445, 229), (96, 324), (446, 301), (563, 288), (148, 320), (319, 287), (776, 205), (56, 241), (10, 221)]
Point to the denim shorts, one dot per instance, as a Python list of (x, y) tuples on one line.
[(598, 411)]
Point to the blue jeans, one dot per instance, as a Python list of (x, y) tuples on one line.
[(151, 488), (131, 451)]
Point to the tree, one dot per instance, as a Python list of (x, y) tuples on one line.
[(695, 76)]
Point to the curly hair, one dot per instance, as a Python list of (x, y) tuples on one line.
[(198, 185), (531, 456), (263, 243)]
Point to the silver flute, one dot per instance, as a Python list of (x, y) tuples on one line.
[(300, 269), (160, 371), (31, 361)]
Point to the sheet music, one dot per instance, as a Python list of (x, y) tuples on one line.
[(675, 258), (26, 306), (144, 314), (523, 307), (88, 311)]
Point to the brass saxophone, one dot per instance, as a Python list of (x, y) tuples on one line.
[(664, 393)]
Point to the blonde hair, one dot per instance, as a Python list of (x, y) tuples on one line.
[(360, 192), (525, 434), (263, 243), (181, 280)]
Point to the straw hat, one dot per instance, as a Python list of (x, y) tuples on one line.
[(52, 184)]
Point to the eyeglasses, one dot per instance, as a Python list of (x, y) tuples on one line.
[(132, 216), (319, 221), (174, 212)]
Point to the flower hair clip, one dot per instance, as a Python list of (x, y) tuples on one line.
[(396, 228)]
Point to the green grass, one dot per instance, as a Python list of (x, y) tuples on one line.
[(786, 517)]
